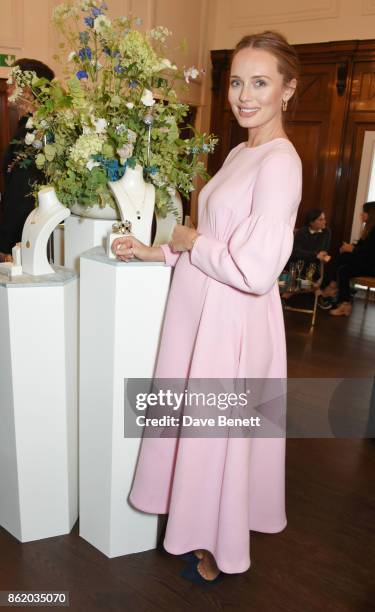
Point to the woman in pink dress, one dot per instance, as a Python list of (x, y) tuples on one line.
[(224, 320)]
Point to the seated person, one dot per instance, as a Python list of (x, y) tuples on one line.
[(353, 260), (17, 201), (312, 241)]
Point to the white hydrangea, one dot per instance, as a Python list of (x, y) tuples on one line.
[(29, 123), (100, 125), (85, 146), (29, 138), (147, 98)]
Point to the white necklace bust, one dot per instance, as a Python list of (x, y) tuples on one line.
[(38, 227), (136, 202)]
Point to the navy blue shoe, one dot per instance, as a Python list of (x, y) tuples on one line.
[(191, 573)]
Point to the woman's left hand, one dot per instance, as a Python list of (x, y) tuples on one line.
[(183, 238)]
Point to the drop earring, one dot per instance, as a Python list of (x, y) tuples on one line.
[(284, 105)]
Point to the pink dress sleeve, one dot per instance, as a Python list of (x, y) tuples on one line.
[(259, 248), (171, 258)]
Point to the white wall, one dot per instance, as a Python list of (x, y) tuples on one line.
[(26, 31), (300, 21)]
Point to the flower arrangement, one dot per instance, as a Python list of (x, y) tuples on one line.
[(116, 108)]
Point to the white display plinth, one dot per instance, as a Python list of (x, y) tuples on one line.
[(82, 234), (121, 314), (38, 406)]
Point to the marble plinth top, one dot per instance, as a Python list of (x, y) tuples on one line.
[(62, 276), (98, 254)]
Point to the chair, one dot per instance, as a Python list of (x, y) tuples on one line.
[(365, 281), (313, 290)]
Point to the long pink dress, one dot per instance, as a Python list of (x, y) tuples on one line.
[(224, 320)]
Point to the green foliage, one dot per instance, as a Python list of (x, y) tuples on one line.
[(117, 108)]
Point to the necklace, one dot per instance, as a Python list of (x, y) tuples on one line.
[(134, 207)]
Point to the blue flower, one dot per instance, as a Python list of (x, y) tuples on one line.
[(133, 84), (195, 149), (112, 167), (85, 53), (107, 50), (119, 69), (89, 21), (96, 12), (205, 148), (82, 74), (84, 37), (153, 170)]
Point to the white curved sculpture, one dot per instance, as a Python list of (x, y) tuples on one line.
[(166, 225), (136, 202), (38, 227)]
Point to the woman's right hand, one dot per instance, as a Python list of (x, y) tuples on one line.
[(323, 256), (346, 247), (127, 248)]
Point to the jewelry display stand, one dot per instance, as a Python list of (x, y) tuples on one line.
[(136, 202), (166, 225), (132, 194), (130, 307), (38, 227), (38, 406)]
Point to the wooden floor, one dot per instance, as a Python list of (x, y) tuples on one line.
[(323, 561)]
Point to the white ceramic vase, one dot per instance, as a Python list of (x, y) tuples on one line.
[(96, 212)]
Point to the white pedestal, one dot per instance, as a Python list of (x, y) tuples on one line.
[(38, 407), (82, 234), (122, 309)]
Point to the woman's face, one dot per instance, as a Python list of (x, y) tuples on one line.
[(318, 223), (256, 89)]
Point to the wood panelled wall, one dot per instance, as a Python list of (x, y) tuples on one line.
[(336, 106)]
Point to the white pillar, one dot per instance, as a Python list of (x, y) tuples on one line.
[(121, 314), (82, 234), (38, 407)]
